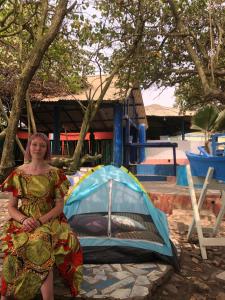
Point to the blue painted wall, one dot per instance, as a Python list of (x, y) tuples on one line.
[(164, 170)]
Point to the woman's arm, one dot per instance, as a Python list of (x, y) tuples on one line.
[(13, 209), (54, 212), (29, 223)]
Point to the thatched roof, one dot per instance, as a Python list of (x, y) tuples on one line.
[(93, 91), (163, 111)]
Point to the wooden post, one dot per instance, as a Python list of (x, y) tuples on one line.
[(57, 129)]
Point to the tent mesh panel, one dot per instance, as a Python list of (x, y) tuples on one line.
[(150, 234)]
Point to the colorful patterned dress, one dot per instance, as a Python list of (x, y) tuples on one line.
[(30, 255)]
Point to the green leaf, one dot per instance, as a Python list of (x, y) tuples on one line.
[(205, 118), (220, 121)]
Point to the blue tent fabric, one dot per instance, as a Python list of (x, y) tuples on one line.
[(92, 195)]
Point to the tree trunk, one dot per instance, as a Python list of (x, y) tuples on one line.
[(75, 164), (31, 66), (30, 115), (3, 133)]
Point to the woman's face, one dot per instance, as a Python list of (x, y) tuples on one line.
[(38, 148)]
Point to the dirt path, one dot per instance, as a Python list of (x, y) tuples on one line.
[(199, 279)]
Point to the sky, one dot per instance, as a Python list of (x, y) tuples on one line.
[(164, 97)]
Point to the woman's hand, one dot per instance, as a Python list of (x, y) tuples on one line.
[(30, 224)]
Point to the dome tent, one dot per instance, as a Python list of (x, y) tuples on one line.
[(115, 219)]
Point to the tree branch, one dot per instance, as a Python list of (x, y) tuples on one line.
[(180, 26), (220, 43), (41, 25)]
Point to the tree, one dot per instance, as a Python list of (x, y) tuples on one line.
[(46, 31), (198, 28), (183, 41)]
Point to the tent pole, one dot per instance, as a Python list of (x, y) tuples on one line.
[(110, 208)]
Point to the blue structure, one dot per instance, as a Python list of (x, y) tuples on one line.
[(135, 144), (200, 164), (118, 135), (142, 139), (216, 144), (181, 176)]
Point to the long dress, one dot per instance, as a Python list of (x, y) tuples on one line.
[(29, 256)]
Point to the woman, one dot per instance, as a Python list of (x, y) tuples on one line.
[(37, 236)]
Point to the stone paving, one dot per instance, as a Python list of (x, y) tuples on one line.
[(117, 281)]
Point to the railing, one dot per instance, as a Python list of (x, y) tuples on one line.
[(151, 145)]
